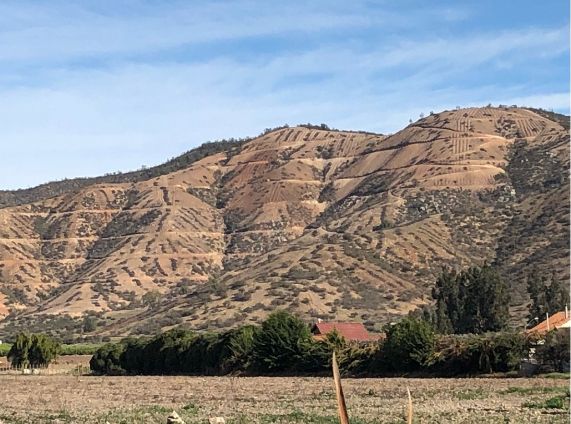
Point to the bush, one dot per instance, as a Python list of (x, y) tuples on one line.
[(281, 343), (35, 350), (317, 356), (553, 354), (409, 345), (107, 359), (483, 353), (238, 350)]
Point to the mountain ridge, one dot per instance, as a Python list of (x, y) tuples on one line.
[(331, 224)]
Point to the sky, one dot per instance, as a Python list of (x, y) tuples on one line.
[(91, 87)]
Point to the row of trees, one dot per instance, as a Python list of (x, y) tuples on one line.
[(33, 350), (477, 300), (472, 301), (283, 344)]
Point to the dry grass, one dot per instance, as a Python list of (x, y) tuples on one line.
[(68, 399)]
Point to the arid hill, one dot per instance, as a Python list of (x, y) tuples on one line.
[(331, 224)]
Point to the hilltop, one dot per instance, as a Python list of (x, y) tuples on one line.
[(331, 224)]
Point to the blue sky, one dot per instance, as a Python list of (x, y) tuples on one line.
[(89, 87)]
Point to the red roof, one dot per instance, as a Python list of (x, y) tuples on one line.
[(351, 331), (555, 321)]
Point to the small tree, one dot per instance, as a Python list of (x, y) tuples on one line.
[(409, 345), (553, 354), (107, 359), (35, 350), (281, 342), (89, 323), (151, 298)]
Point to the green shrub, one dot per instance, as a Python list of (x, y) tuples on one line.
[(238, 350), (281, 343), (409, 345), (107, 359), (553, 354), (480, 353)]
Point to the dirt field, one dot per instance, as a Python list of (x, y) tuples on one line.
[(87, 399)]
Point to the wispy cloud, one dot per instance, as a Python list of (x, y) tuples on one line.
[(131, 85)]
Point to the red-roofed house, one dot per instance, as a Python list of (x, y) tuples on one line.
[(553, 322), (351, 331)]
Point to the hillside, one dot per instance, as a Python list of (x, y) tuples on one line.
[(331, 224)]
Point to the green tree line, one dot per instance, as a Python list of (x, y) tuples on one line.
[(283, 345)]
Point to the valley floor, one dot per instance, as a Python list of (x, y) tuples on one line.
[(87, 399)]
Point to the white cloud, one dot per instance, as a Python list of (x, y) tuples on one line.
[(87, 120)]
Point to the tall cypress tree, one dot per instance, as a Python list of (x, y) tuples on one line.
[(546, 295), (536, 291), (556, 295), (473, 301)]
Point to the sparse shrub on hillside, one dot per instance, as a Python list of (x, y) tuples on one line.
[(151, 299)]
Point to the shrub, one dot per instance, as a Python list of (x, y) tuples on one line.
[(553, 354), (480, 353), (317, 356), (281, 343), (35, 350), (238, 349), (409, 345), (107, 359)]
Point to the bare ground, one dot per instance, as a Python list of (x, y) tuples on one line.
[(88, 399)]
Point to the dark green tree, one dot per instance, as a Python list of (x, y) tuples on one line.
[(536, 291), (107, 359), (554, 353), (281, 342), (547, 295), (473, 301), (556, 295), (35, 350)]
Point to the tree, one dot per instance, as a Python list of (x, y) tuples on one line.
[(35, 350), (554, 353), (107, 359), (448, 308), (89, 323), (409, 345), (556, 295), (536, 291), (151, 298), (473, 301), (547, 295), (239, 348), (281, 342)]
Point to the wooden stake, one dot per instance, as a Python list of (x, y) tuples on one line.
[(409, 409), (342, 407)]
